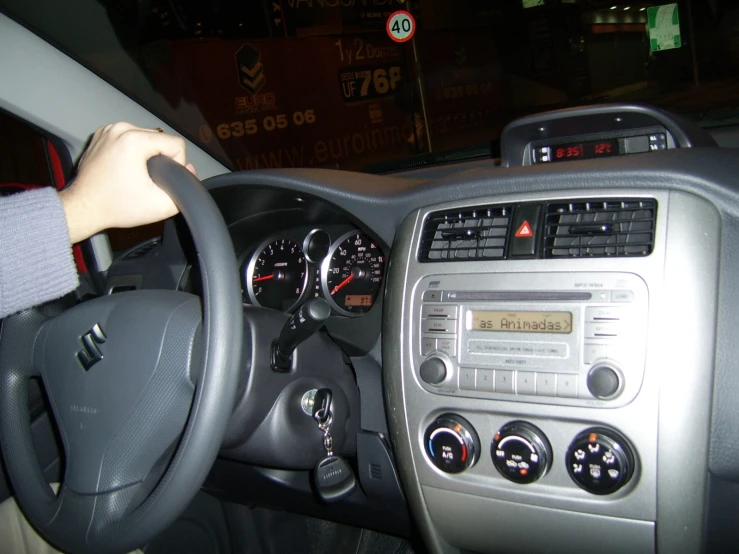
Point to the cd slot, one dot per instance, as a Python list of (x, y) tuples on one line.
[(517, 296)]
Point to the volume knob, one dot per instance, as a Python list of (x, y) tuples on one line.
[(433, 370), (603, 382)]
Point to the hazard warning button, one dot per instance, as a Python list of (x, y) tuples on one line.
[(525, 225), (524, 230)]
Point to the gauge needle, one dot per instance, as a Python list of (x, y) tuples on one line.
[(342, 284), (263, 278)]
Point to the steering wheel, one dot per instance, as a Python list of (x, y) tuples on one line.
[(141, 384)]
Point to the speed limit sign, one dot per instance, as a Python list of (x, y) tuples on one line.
[(401, 26)]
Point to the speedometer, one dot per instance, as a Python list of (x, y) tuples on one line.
[(277, 274), (352, 274)]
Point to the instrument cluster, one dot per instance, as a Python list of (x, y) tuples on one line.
[(341, 264)]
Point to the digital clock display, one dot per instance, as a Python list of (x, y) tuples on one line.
[(582, 150)]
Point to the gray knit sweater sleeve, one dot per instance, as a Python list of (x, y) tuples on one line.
[(36, 262)]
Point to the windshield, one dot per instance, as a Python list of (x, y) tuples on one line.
[(321, 83)]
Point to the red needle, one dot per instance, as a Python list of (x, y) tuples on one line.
[(263, 278), (342, 284)]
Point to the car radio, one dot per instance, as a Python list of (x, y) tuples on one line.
[(563, 338)]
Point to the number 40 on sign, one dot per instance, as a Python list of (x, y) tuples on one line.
[(401, 26)]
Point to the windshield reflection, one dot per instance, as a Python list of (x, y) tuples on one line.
[(321, 83)]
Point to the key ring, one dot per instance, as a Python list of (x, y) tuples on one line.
[(325, 424)]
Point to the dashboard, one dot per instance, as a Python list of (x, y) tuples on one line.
[(536, 355)]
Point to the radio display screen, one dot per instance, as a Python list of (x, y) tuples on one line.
[(522, 322)]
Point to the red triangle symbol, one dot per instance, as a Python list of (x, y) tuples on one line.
[(524, 230)]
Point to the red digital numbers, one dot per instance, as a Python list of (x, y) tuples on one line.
[(603, 148), (594, 149), (575, 151)]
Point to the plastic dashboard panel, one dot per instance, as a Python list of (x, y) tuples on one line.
[(678, 391)]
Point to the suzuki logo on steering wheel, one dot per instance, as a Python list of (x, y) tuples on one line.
[(90, 353)]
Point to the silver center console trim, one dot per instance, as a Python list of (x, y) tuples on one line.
[(672, 404)]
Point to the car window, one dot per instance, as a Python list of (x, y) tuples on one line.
[(23, 156), (26, 162), (320, 83)]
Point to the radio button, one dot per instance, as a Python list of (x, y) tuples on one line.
[(601, 330), (438, 326), (604, 313), (546, 384), (466, 378), (566, 386), (428, 345), (622, 296), (526, 382), (433, 295), (433, 371), (603, 295), (443, 312), (486, 380), (595, 352), (447, 346), (604, 382), (504, 381)]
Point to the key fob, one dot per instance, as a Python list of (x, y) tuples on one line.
[(334, 479)]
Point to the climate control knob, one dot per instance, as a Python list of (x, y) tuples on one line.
[(600, 460), (521, 452), (433, 370), (451, 443)]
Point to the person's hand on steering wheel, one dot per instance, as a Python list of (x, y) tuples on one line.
[(113, 187)]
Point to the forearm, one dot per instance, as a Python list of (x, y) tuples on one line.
[(81, 217), (36, 262)]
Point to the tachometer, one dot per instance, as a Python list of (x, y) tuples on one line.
[(352, 274), (277, 274)]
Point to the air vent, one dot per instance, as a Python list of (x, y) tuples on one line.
[(600, 229), (142, 249), (375, 471), (470, 234)]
